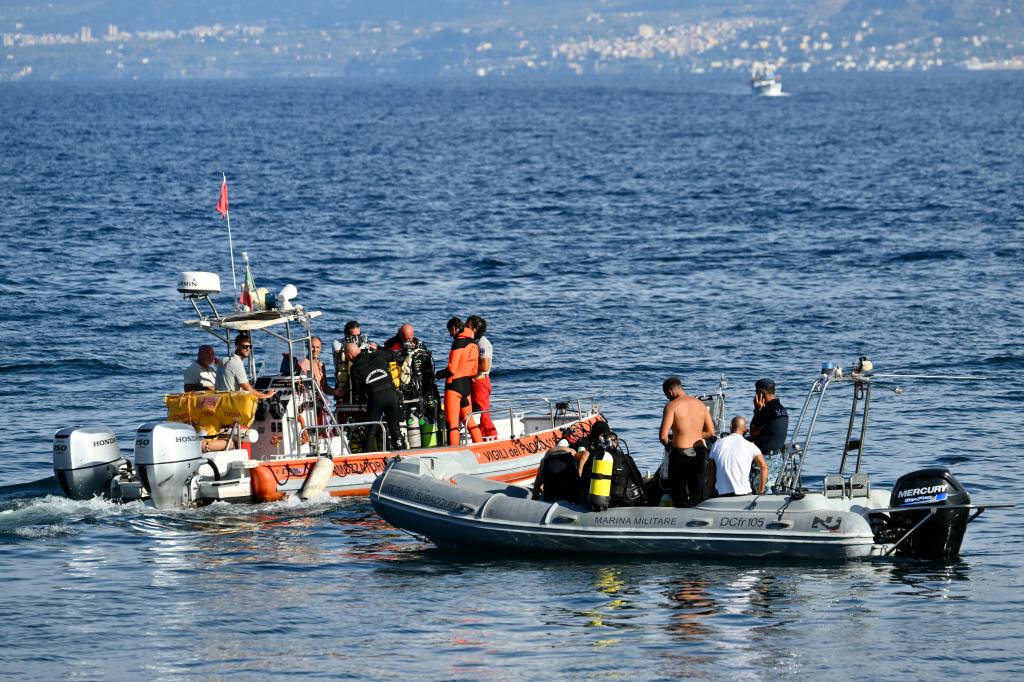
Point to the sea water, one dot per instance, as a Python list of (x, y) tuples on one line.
[(612, 233)]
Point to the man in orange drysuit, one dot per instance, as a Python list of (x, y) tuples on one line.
[(463, 361)]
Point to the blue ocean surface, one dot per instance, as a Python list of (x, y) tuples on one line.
[(612, 233)]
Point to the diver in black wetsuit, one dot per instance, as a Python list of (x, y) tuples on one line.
[(371, 373)]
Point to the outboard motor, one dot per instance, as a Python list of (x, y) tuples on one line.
[(85, 461), (167, 455), (940, 536)]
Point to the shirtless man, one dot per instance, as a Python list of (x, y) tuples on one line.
[(316, 344), (685, 424)]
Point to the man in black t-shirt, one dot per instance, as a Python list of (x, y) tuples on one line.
[(769, 426)]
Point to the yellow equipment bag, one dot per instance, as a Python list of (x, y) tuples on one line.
[(210, 412)]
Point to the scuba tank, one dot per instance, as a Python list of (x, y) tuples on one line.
[(627, 482), (428, 433), (354, 435), (413, 432), (601, 480), (396, 374)]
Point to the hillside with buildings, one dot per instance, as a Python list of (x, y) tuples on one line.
[(116, 39)]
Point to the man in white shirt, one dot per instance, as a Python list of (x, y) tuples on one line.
[(231, 374), (202, 373), (481, 388), (731, 459)]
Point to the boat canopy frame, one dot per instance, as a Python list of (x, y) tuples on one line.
[(293, 326), (797, 450)]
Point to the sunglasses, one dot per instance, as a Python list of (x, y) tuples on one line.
[(245, 346)]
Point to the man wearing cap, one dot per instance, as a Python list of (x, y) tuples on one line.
[(769, 426)]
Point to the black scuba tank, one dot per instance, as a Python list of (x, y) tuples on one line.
[(627, 482)]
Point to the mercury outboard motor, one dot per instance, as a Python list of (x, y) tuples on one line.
[(940, 536), (85, 461), (167, 456)]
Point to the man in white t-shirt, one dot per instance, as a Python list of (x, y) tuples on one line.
[(481, 388), (202, 373), (231, 374), (731, 459)]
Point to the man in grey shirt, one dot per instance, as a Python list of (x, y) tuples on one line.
[(201, 374), (231, 374)]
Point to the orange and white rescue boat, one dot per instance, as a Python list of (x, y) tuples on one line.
[(233, 447)]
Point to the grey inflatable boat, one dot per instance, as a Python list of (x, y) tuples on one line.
[(925, 515)]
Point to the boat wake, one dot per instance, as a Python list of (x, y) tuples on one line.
[(54, 516), (38, 510), (44, 486)]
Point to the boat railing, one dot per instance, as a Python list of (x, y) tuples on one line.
[(347, 428), (555, 411), (331, 430), (323, 406)]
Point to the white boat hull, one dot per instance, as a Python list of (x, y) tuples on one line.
[(767, 88)]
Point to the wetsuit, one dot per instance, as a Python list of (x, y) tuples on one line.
[(371, 374), (685, 474), (463, 361), (771, 423), (412, 388)]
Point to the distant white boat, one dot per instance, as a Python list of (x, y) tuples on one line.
[(764, 81)]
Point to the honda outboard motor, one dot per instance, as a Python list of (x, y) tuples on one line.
[(167, 456), (85, 460), (940, 536)]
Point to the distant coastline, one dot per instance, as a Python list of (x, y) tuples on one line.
[(558, 41)]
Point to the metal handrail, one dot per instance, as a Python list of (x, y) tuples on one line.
[(791, 482), (552, 406), (552, 409), (796, 454), (380, 424)]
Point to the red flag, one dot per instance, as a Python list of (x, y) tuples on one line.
[(222, 203)]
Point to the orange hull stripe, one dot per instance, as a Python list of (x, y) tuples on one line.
[(266, 477)]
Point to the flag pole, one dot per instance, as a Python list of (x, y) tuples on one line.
[(231, 250)]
